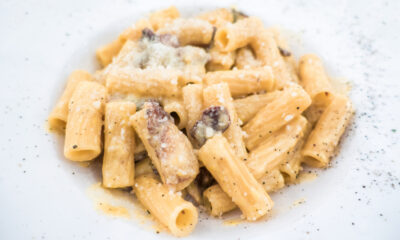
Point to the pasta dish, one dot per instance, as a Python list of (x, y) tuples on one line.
[(211, 111)]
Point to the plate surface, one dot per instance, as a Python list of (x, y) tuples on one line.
[(44, 196)]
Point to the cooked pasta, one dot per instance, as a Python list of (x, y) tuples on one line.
[(58, 117), (314, 79), (212, 111), (290, 103), (216, 201), (83, 131), (234, 178), (168, 148), (166, 206), (119, 145), (325, 136), (243, 82), (218, 94), (247, 108), (273, 150)]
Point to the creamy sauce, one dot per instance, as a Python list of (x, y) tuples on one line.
[(122, 204), (116, 211), (233, 222), (85, 164), (298, 202), (306, 177)]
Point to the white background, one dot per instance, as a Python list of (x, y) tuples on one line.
[(43, 196)]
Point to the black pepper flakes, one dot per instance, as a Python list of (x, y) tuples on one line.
[(75, 146)]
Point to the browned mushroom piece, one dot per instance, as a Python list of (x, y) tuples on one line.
[(284, 52), (166, 39), (214, 119), (148, 33), (204, 179), (156, 119)]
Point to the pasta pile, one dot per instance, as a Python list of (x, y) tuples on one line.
[(213, 109)]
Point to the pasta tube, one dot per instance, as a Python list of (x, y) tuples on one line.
[(176, 109), (220, 60), (315, 80), (234, 178), (324, 138), (245, 59), (189, 31), (119, 144), (273, 150), (267, 52), (290, 104), (272, 181), (169, 149), (169, 208), (144, 167), (287, 56), (83, 131), (216, 201), (246, 108), (58, 117), (313, 113), (243, 82), (291, 166), (193, 101), (146, 82), (237, 35), (219, 95)]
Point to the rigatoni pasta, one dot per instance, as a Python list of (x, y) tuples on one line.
[(240, 34), (58, 116), (325, 136), (216, 201), (245, 59), (267, 52), (119, 145), (290, 104), (273, 150), (213, 109), (83, 131), (193, 101), (168, 207), (175, 108), (286, 54), (189, 31), (243, 82), (169, 149), (219, 94), (219, 60), (247, 107), (314, 79), (234, 178)]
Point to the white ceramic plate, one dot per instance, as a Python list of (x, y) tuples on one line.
[(44, 196)]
